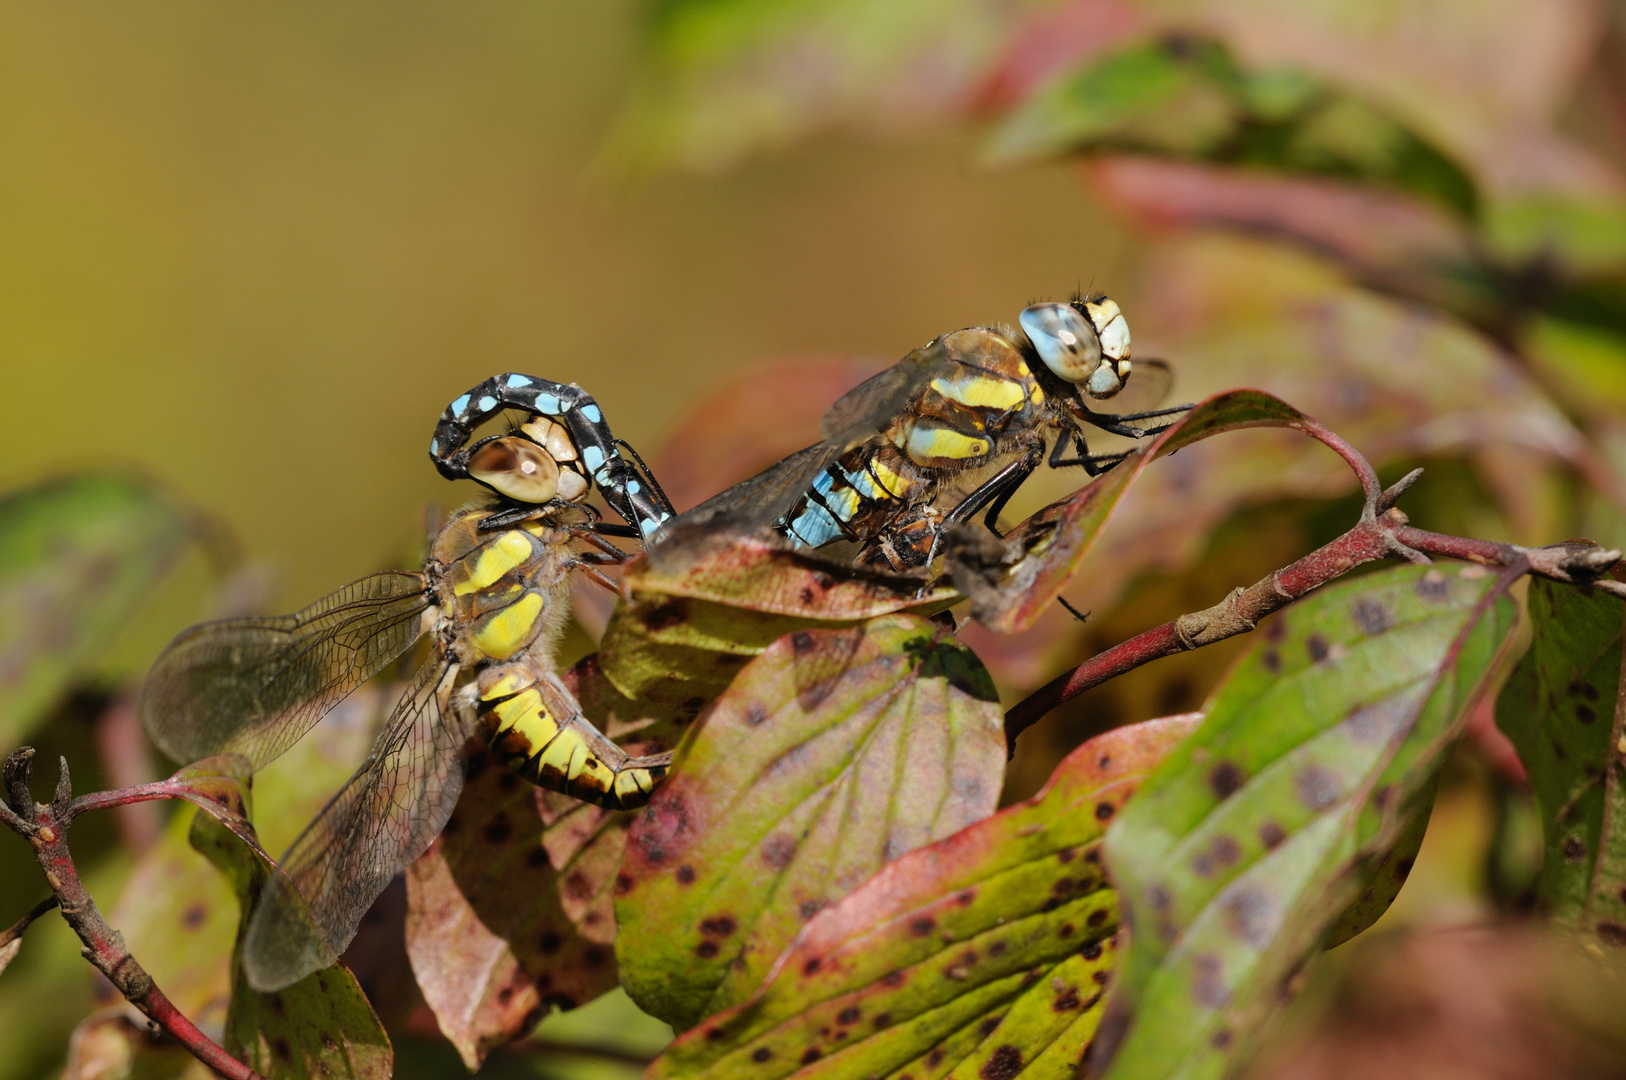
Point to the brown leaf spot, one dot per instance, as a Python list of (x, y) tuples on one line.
[(558, 1000), (536, 858), (1432, 586), (778, 850), (1066, 929), (594, 957), (809, 908), (882, 1020), (1317, 787), (1158, 898), (1208, 985), (1092, 951), (195, 915), (1099, 977), (1220, 1039), (1271, 835), (850, 1015), (623, 884), (1574, 848), (811, 967), (280, 1048), (1067, 855), (1611, 933), (1066, 1001), (1104, 762), (505, 995), (1103, 811), (666, 615), (761, 1054), (1317, 647), (966, 897), (803, 642), (549, 943), (893, 979), (706, 950), (1247, 915), (1003, 1064), (1584, 712), (934, 1058), (1371, 616), (1220, 855), (1272, 661), (685, 874), (718, 926), (1226, 779), (810, 1055), (989, 1026), (498, 829), (1096, 918), (755, 714), (921, 925), (576, 886)]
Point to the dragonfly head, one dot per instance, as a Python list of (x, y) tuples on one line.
[(537, 463), (1085, 342)]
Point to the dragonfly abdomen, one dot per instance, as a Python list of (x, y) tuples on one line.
[(552, 746)]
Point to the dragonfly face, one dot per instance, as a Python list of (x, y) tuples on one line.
[(493, 602), (556, 454), (951, 430)]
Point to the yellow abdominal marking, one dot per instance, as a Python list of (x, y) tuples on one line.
[(503, 554), (927, 443), (981, 391), (508, 631)]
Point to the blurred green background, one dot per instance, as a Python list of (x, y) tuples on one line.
[(254, 252)]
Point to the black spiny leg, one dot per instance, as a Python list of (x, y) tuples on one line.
[(1094, 464)]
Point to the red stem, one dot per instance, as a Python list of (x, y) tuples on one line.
[(46, 828)]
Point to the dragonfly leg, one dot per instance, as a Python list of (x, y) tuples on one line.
[(1094, 464)]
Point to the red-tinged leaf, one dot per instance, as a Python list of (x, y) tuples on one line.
[(320, 1028), (489, 939), (585, 844), (1011, 582), (833, 753), (984, 953), (640, 725), (1242, 848), (1056, 39), (1562, 709), (706, 605), (1398, 242), (219, 786)]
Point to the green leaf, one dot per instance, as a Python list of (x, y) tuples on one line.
[(490, 940), (1186, 97), (1242, 848), (78, 555), (833, 753), (982, 954), (319, 1028), (697, 615), (1013, 581), (1561, 708)]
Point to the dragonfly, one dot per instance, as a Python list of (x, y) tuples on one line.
[(959, 423), (556, 455), (493, 602)]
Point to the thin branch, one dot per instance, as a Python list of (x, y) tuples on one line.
[(46, 828), (15, 930), (1381, 532)]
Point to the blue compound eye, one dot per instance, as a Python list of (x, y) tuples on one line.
[(1064, 339)]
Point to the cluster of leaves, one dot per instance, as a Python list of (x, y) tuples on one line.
[(825, 886)]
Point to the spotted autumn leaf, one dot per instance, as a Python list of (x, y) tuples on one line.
[(986, 953), (1561, 708), (1252, 835), (490, 940), (833, 753)]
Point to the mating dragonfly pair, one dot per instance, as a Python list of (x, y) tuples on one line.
[(958, 423)]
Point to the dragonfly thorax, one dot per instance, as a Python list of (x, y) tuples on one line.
[(501, 593)]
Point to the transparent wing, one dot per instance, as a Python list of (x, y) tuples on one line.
[(254, 686), (761, 500), (870, 406), (384, 817), (1150, 383)]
